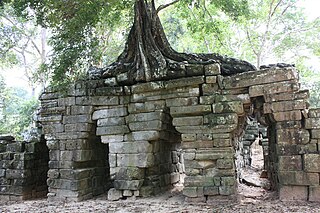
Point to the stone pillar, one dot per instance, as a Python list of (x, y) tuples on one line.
[(78, 160)]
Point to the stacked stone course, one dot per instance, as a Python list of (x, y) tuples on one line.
[(138, 140), (23, 168)]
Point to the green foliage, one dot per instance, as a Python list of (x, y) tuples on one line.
[(17, 112)]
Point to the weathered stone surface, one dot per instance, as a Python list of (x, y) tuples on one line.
[(214, 154), (293, 193), (315, 133), (128, 184), (131, 147), (220, 119), (212, 69), (287, 116), (284, 106), (300, 95), (114, 194), (209, 89), (107, 113), (112, 121), (227, 107), (112, 130), (147, 106), (312, 123), (190, 110), (141, 160), (290, 163), (314, 113), (273, 88), (293, 136), (312, 162), (150, 116), (314, 193), (98, 100), (146, 125), (182, 101), (298, 178), (146, 135), (260, 77), (112, 138), (187, 121)]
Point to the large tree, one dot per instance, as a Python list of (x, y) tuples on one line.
[(147, 54)]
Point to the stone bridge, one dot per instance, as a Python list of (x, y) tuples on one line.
[(137, 140)]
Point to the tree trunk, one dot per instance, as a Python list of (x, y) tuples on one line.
[(148, 55)]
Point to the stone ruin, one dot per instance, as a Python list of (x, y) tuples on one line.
[(104, 136)]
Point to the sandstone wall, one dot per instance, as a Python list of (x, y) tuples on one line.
[(23, 168), (139, 140)]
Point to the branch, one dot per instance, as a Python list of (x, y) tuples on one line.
[(161, 7)]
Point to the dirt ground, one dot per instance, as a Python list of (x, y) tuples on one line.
[(259, 200)]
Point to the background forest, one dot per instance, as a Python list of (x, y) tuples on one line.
[(56, 41)]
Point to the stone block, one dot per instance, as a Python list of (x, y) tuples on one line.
[(227, 190), (128, 184), (311, 162), (190, 110), (312, 123), (112, 121), (314, 113), (284, 106), (74, 119), (228, 107), (209, 89), (81, 110), (146, 106), (187, 121), (293, 136), (80, 127), (293, 193), (211, 79), (114, 194), (97, 100), (112, 130), (150, 116), (131, 147), (194, 69), (222, 142), (207, 129), (298, 178), (220, 119), (315, 133), (188, 137), (304, 95), (210, 190), (287, 116), (289, 125), (107, 113), (212, 69), (314, 193), (146, 125), (190, 192), (68, 101), (225, 163), (189, 101), (259, 78), (130, 173), (146, 135), (206, 100), (183, 82), (273, 88), (215, 153), (112, 138), (290, 163), (52, 128), (141, 160)]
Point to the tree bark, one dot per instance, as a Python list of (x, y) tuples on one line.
[(148, 55)]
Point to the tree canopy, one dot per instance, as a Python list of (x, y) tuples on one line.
[(77, 27)]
